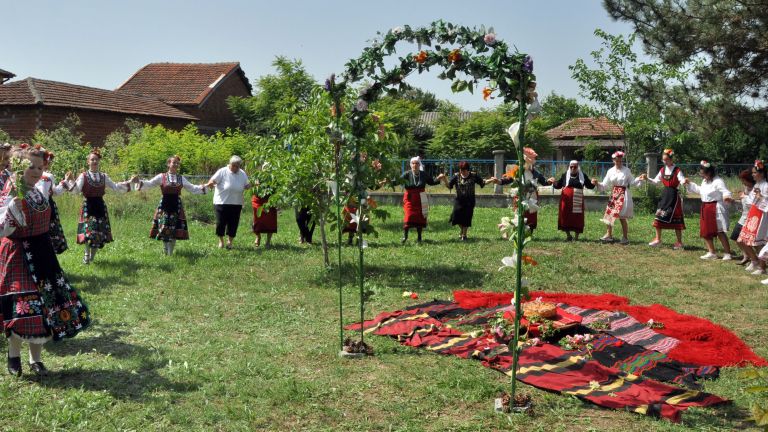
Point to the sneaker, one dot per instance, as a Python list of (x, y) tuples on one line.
[(607, 239), (678, 246), (764, 281), (624, 241), (727, 257), (758, 272), (743, 261), (708, 256), (751, 267), (655, 243)]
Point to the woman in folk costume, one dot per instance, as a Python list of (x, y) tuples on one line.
[(570, 217), (464, 203), (37, 303), (620, 206), (50, 188), (93, 227), (170, 221), (415, 205), (754, 234), (533, 178), (746, 204), (669, 214), (264, 217), (714, 218)]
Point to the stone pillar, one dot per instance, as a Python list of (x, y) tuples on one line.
[(652, 164), (498, 168)]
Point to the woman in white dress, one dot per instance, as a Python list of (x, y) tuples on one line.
[(620, 206), (755, 231), (714, 218)]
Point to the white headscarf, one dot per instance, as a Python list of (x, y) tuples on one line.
[(568, 174), (418, 159)]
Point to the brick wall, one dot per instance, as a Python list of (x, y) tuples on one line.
[(214, 114), (22, 122)]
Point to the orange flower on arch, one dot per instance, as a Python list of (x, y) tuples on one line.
[(512, 173), (487, 93), (527, 259), (421, 57), (454, 56)]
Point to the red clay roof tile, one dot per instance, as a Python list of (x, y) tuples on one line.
[(586, 127)]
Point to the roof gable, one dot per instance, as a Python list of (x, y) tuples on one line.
[(586, 127), (181, 83), (33, 91)]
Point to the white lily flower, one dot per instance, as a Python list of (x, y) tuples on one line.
[(509, 261), (514, 133), (332, 186), (365, 244)]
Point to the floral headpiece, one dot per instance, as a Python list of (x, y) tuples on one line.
[(759, 164), (47, 156), (23, 146), (705, 164), (669, 152), (617, 154), (529, 152), (96, 152)]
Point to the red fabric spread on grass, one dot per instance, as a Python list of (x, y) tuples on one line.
[(702, 342)]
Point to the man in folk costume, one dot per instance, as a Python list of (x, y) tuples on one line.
[(415, 205), (754, 234), (714, 218), (570, 217), (620, 206), (669, 214), (532, 179)]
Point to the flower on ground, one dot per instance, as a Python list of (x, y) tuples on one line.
[(527, 259), (421, 57), (414, 295), (594, 385), (454, 56), (490, 38), (487, 93), (407, 293)]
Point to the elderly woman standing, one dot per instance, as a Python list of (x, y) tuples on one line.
[(464, 203), (415, 207), (570, 217), (170, 221), (713, 218), (230, 182), (620, 206)]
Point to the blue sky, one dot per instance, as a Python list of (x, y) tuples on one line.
[(101, 43)]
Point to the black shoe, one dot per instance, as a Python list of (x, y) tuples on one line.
[(38, 368), (14, 366), (403, 240)]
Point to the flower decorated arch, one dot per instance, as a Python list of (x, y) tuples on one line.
[(466, 57)]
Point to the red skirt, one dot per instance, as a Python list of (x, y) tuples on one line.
[(567, 219), (413, 215), (267, 221), (678, 221), (350, 226), (708, 220), (753, 228)]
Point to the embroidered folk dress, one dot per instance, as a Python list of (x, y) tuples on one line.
[(713, 217), (414, 209), (571, 214), (170, 221), (50, 188), (36, 300), (620, 205), (464, 203), (755, 230), (93, 227), (669, 214)]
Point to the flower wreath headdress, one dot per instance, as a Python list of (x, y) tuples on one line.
[(705, 164), (617, 154), (759, 164), (669, 152)]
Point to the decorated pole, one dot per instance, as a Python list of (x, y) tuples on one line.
[(336, 141)]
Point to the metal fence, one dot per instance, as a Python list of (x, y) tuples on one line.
[(554, 168)]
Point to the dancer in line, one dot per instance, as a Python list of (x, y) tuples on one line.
[(669, 214), (746, 197), (93, 227), (464, 204), (230, 182), (50, 188), (37, 303), (169, 222), (533, 179), (306, 225), (5, 157), (415, 204), (713, 219), (754, 235), (264, 219), (570, 217), (620, 206)]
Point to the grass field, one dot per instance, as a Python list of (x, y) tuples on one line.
[(247, 339)]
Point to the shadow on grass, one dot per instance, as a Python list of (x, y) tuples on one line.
[(408, 278), (113, 272), (123, 384)]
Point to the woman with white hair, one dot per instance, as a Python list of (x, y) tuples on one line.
[(230, 182), (570, 217), (619, 178), (415, 207)]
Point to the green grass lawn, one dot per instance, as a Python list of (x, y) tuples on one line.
[(247, 339)]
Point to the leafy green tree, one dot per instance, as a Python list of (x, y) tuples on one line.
[(4, 137), (67, 144), (557, 109), (276, 98), (401, 117)]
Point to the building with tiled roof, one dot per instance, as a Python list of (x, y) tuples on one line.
[(32, 104), (5, 76), (199, 89), (577, 133)]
